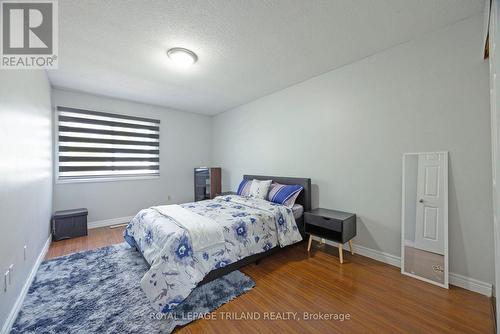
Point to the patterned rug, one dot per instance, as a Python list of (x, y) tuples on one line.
[(99, 291)]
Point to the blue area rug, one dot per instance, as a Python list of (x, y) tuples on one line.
[(99, 291)]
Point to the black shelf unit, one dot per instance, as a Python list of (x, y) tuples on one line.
[(207, 183)]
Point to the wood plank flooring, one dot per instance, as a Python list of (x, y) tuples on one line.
[(377, 298)]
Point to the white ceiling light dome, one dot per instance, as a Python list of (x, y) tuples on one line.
[(181, 57)]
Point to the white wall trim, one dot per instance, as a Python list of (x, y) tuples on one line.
[(471, 284), (410, 243), (461, 281), (19, 301), (393, 260), (109, 222)]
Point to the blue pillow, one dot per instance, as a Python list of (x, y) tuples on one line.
[(284, 194), (244, 188)]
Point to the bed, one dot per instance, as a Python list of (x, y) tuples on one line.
[(248, 229)]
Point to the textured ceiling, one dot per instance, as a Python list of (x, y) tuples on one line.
[(246, 48)]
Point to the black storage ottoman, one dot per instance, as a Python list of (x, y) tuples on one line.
[(69, 224)]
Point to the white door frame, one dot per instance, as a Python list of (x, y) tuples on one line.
[(445, 222), (491, 22)]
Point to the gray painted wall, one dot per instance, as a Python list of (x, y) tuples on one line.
[(411, 176), (25, 176), (185, 143), (347, 129)]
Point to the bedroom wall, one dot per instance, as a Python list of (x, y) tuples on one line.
[(25, 177), (347, 129), (184, 144), (411, 183)]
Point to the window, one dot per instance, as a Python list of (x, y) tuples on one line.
[(97, 145)]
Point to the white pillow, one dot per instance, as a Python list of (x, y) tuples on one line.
[(259, 189)]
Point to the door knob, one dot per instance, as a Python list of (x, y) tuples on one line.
[(421, 201)]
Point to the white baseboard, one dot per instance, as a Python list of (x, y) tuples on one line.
[(471, 284), (109, 222), (19, 301), (461, 281), (393, 260), (410, 243)]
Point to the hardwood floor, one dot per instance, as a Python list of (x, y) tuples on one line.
[(98, 237), (376, 296)]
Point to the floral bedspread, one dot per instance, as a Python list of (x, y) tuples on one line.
[(250, 226)]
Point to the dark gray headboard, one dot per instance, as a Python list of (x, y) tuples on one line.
[(304, 198)]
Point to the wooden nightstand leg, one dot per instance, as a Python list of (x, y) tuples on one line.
[(309, 242), (341, 256), (350, 247)]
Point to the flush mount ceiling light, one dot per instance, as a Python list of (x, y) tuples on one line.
[(182, 58)]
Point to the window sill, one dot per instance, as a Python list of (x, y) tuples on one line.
[(107, 179)]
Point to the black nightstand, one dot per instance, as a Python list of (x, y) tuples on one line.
[(332, 225)]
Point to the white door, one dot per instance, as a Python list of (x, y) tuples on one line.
[(429, 231)]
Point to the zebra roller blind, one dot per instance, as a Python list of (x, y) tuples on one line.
[(95, 144)]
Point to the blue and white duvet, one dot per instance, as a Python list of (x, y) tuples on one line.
[(250, 226)]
